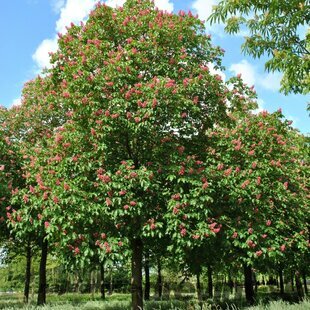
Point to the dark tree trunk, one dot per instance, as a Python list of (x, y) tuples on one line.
[(304, 278), (42, 274), (292, 282), (136, 274), (199, 295), (281, 281), (147, 287), (299, 289), (210, 282), (102, 290), (248, 284), (28, 272), (159, 283)]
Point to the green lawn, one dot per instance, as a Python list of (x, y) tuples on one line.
[(122, 301)]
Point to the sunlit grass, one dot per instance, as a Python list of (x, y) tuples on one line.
[(72, 301)]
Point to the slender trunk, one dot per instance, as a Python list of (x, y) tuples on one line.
[(255, 283), (76, 282), (147, 287), (304, 278), (292, 282), (210, 282), (299, 289), (281, 281), (136, 274), (42, 274), (248, 284), (111, 281), (28, 272), (102, 290), (159, 284), (199, 295), (92, 283)]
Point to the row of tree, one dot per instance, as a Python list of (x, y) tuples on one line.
[(128, 144)]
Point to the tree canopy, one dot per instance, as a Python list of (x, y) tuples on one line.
[(277, 29)]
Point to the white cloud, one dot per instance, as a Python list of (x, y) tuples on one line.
[(246, 70), (73, 11), (115, 3), (16, 102), (216, 71), (271, 81), (41, 56), (204, 8), (250, 76), (70, 11), (57, 5), (164, 5)]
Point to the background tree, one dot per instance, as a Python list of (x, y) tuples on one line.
[(274, 31), (261, 167)]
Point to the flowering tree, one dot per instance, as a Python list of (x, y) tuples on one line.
[(138, 96), (261, 169), (29, 126)]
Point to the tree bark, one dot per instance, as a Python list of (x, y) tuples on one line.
[(304, 278), (92, 283), (292, 282), (248, 284), (199, 295), (210, 282), (147, 287), (281, 281), (159, 283), (136, 274), (299, 289), (102, 290), (42, 274), (28, 272)]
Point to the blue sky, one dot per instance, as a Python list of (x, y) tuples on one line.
[(28, 31)]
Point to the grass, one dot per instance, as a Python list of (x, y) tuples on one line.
[(122, 302)]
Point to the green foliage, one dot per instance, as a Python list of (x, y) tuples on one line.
[(274, 30)]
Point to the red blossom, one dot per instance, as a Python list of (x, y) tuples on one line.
[(245, 184)]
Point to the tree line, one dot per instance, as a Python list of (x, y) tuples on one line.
[(129, 145)]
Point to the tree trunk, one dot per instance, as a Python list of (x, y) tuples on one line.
[(248, 284), (136, 274), (42, 274), (147, 287), (292, 282), (28, 272), (304, 278), (199, 295), (255, 283), (92, 283), (111, 280), (210, 282), (299, 289), (281, 281), (159, 283), (102, 290)]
